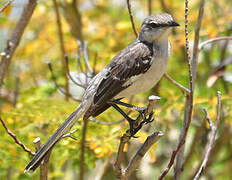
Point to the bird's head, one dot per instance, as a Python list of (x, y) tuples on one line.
[(156, 27)]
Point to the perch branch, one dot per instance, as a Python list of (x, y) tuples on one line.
[(132, 18), (13, 41), (212, 138), (45, 162), (17, 141), (182, 88), (126, 137), (201, 45)]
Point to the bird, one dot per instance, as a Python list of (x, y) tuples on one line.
[(135, 69)]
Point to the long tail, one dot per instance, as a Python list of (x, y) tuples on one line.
[(69, 122)]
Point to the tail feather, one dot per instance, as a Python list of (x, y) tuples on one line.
[(69, 122)]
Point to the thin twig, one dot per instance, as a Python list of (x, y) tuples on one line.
[(13, 41), (86, 58), (196, 40), (70, 76), (189, 100), (212, 138), (201, 45), (17, 141), (131, 18), (182, 88), (6, 5), (149, 7), (188, 108), (141, 152), (58, 86), (62, 48)]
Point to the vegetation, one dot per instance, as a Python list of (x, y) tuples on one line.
[(32, 105)]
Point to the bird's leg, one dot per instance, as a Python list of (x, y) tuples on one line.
[(141, 110), (130, 120), (132, 107)]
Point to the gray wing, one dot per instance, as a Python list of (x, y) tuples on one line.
[(135, 59)]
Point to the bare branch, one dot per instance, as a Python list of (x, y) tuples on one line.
[(182, 88), (192, 66), (179, 151), (58, 86), (212, 138), (17, 141), (149, 7), (86, 58), (70, 135), (196, 40), (15, 38), (69, 75), (201, 45), (141, 152), (6, 5), (131, 18), (45, 162), (62, 48)]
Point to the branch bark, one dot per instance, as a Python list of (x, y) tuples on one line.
[(14, 40), (192, 65), (132, 18), (45, 162), (62, 49), (17, 141), (212, 138)]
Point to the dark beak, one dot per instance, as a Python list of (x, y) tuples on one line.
[(173, 23)]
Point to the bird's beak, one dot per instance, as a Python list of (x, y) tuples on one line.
[(173, 23)]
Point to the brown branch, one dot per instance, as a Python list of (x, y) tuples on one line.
[(17, 141), (196, 40), (192, 65), (126, 137), (62, 48), (73, 17), (13, 41), (131, 18), (83, 139), (182, 88), (45, 162), (212, 138), (179, 151), (201, 45), (141, 152), (6, 5), (149, 7)]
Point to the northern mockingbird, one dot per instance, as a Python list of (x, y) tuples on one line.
[(135, 69)]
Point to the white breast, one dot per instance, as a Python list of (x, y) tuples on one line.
[(146, 81)]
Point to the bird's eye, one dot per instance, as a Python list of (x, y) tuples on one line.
[(153, 25)]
